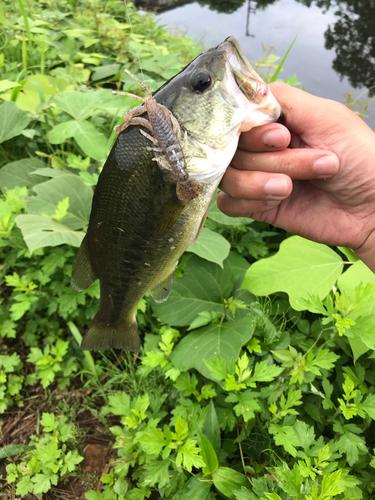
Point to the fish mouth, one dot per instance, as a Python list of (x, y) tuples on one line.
[(251, 84)]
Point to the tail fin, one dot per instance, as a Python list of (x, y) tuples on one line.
[(122, 335)]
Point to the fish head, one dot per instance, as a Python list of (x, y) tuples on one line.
[(215, 98)]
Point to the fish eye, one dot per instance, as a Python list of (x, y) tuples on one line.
[(201, 81)]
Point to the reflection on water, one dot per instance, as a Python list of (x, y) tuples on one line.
[(347, 26)]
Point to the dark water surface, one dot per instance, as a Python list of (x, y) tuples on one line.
[(334, 52)]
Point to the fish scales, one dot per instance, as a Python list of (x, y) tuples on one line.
[(139, 226)]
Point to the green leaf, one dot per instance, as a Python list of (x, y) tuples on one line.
[(39, 231), (263, 372), (285, 436), (349, 443), (246, 404), (238, 265), (211, 427), (78, 104), (12, 120), (12, 449), (358, 347), (225, 340), (325, 359), (24, 486), (291, 480), (228, 480), (194, 489), (279, 68), (245, 494), (181, 429), (92, 142), (188, 455), (368, 406), (18, 173), (152, 440), (301, 267), (50, 193), (203, 287), (208, 453), (49, 422), (217, 215), (217, 367), (157, 473), (41, 482), (105, 71), (211, 246), (305, 434)]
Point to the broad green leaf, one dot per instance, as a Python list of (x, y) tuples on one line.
[(7, 84), (55, 190), (78, 104), (203, 287), (50, 172), (211, 427), (207, 452), (208, 342), (12, 120), (105, 71), (211, 246), (356, 274), (358, 347), (238, 265), (115, 104), (12, 449), (39, 231), (300, 268), (20, 173), (92, 142), (217, 215), (228, 480), (194, 489)]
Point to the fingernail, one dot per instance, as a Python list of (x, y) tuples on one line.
[(276, 186), (326, 166), (275, 139)]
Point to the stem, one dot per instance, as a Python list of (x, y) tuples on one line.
[(27, 27), (24, 52), (241, 453), (42, 62)]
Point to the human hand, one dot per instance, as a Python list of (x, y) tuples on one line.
[(322, 187)]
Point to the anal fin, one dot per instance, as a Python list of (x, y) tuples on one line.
[(162, 290), (82, 273)]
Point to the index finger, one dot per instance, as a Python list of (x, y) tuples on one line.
[(269, 137)]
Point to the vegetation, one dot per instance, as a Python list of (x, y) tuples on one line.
[(259, 385)]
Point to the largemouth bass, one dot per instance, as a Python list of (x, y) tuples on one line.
[(139, 226)]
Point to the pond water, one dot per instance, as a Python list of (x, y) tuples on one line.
[(347, 27)]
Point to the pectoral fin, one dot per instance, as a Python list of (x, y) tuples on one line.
[(200, 227), (168, 216), (161, 291), (82, 273)]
